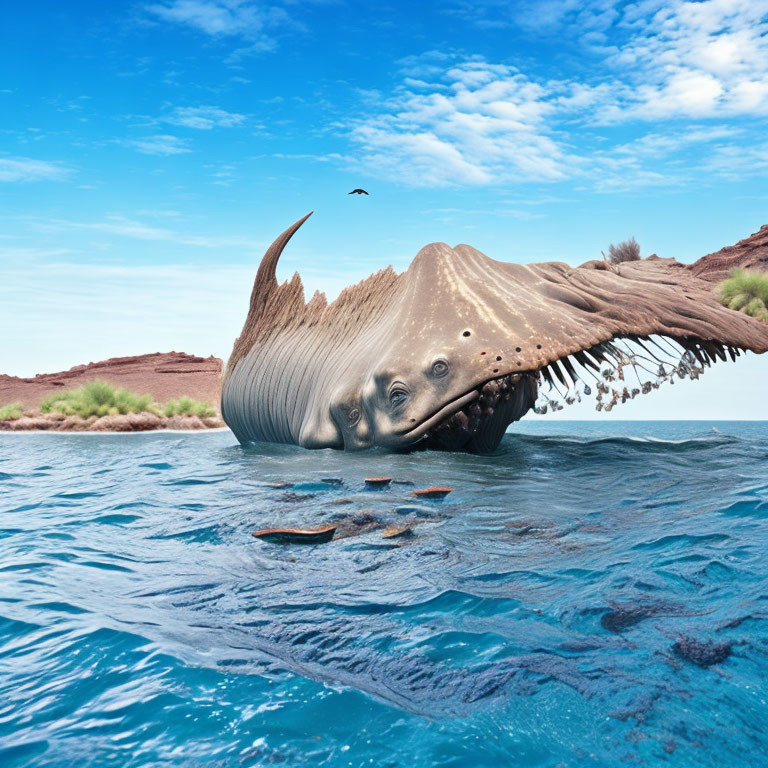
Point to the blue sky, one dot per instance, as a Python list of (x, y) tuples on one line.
[(150, 151)]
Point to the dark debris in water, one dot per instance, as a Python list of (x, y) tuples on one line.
[(296, 498), (703, 653), (619, 619), (739, 620), (357, 524), (626, 615)]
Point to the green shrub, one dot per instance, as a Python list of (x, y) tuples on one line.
[(739, 301), (746, 291), (11, 412), (186, 406), (97, 398)]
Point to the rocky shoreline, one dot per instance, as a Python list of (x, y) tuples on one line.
[(165, 376), (129, 422)]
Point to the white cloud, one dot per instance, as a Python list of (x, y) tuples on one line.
[(213, 17), (480, 123), (660, 159), (221, 175), (161, 144), (27, 169), (245, 20), (696, 59), (588, 19), (739, 162), (203, 118), (121, 226), (674, 58), (467, 121), (23, 255)]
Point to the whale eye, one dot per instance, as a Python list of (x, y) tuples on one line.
[(397, 397), (439, 368), (353, 416)]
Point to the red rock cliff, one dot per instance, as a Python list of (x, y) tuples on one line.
[(750, 253), (164, 375)]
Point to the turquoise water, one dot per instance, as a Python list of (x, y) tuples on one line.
[(531, 620)]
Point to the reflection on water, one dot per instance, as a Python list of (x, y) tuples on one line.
[(531, 619)]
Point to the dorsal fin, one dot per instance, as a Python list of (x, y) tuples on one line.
[(275, 307), (266, 281), (265, 290)]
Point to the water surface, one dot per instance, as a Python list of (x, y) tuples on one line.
[(531, 619)]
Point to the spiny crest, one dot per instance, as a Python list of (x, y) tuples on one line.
[(276, 307)]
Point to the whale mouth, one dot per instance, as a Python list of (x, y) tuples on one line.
[(477, 420), (443, 414), (612, 372)]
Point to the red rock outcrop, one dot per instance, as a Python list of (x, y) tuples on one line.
[(750, 253), (164, 375)]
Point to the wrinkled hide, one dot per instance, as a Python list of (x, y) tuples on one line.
[(457, 347)]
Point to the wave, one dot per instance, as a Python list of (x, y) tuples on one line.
[(140, 620)]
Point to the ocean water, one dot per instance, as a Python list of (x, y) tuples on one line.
[(595, 594)]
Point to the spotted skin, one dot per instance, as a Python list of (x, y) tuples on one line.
[(454, 349)]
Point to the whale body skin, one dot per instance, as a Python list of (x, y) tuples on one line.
[(450, 352)]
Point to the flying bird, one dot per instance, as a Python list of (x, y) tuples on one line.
[(358, 192)]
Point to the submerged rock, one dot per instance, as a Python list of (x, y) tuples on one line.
[(432, 493), (408, 509), (296, 535), (619, 619), (296, 498), (398, 532), (702, 653), (377, 482)]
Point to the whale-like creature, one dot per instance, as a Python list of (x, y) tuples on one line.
[(450, 352)]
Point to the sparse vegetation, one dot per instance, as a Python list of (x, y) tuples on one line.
[(746, 291), (11, 412), (186, 406), (98, 398), (629, 250)]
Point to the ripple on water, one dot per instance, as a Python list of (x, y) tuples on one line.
[(528, 620), (77, 495), (115, 519)]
